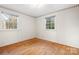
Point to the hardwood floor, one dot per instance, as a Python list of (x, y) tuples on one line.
[(38, 47)]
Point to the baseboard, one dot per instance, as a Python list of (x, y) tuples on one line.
[(39, 38), (70, 45), (6, 44)]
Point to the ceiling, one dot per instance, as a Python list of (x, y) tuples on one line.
[(36, 10)]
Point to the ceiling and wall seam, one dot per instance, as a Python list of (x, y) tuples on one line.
[(77, 5), (16, 11)]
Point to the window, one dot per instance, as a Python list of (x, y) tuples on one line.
[(50, 22), (8, 21)]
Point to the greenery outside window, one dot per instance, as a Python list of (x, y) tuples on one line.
[(50, 22), (8, 21)]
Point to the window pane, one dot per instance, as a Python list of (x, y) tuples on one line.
[(8, 21), (50, 24)]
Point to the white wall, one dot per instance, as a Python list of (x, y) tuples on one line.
[(67, 27), (42, 32), (26, 30)]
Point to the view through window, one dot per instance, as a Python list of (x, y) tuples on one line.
[(50, 22), (8, 21)]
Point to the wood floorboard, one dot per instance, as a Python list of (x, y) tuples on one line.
[(37, 46)]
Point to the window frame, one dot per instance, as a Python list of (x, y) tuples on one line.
[(5, 28), (49, 21)]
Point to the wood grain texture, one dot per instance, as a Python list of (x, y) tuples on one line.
[(37, 46)]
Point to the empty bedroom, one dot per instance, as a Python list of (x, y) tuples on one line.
[(39, 29)]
